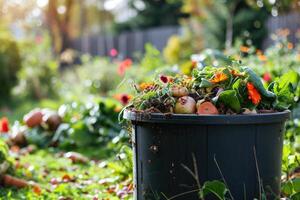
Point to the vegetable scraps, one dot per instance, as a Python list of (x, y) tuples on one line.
[(211, 90)]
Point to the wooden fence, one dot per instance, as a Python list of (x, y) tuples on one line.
[(128, 43), (290, 21)]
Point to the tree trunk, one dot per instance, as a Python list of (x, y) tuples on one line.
[(65, 27), (59, 26)]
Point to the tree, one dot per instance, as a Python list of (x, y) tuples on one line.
[(223, 21), (59, 24), (68, 19), (278, 6), (152, 14)]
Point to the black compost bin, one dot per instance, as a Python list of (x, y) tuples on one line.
[(165, 145)]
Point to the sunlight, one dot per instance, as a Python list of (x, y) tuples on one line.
[(111, 4), (42, 3)]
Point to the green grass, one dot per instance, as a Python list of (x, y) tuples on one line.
[(90, 180), (15, 110)]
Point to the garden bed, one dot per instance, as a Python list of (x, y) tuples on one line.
[(61, 179)]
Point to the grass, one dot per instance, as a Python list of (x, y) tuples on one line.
[(16, 109), (95, 180)]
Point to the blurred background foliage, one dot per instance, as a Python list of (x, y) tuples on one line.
[(10, 62), (40, 61), (46, 61)]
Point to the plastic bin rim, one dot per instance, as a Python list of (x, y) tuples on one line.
[(263, 118)]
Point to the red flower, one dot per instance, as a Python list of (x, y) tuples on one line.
[(253, 94), (164, 79), (113, 52), (267, 77), (123, 98), (124, 65), (4, 125)]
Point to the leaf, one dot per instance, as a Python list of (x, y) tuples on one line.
[(216, 58), (79, 133), (296, 184), (296, 196), (290, 77), (287, 188), (285, 88), (230, 77), (230, 99), (217, 188), (38, 137), (205, 83)]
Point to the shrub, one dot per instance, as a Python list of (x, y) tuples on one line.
[(94, 76), (10, 64), (38, 76)]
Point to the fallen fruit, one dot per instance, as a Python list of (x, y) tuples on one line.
[(33, 118), (52, 119), (185, 105), (15, 182), (18, 138), (207, 108), (76, 157), (178, 91)]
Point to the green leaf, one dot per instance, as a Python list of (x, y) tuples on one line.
[(285, 88), (287, 188), (216, 58), (237, 84), (230, 99), (290, 77), (217, 188), (205, 83), (80, 134), (296, 196), (296, 184)]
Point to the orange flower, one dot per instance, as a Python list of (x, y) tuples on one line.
[(290, 45), (253, 94), (171, 79), (283, 32), (36, 189), (262, 57), (145, 86), (259, 52), (236, 73), (244, 49), (219, 77)]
